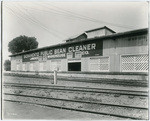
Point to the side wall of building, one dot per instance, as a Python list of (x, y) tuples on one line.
[(116, 48), (16, 63), (131, 49)]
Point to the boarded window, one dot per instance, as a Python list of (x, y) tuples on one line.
[(69, 55), (99, 64), (42, 66), (77, 54), (24, 67), (56, 65)]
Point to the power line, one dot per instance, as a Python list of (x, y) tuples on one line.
[(91, 19), (64, 13), (11, 12), (28, 19), (79, 16), (41, 23), (38, 22)]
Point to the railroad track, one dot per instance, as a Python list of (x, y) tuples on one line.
[(139, 83), (82, 89), (89, 106)]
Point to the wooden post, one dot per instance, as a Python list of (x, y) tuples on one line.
[(55, 77)]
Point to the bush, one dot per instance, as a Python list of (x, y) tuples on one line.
[(7, 65)]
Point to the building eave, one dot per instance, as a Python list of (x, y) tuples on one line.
[(115, 35)]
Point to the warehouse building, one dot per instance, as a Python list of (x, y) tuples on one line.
[(97, 50)]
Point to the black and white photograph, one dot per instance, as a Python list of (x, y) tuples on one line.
[(74, 60)]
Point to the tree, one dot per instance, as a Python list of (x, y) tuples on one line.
[(22, 43), (7, 65)]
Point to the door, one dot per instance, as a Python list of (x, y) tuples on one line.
[(74, 66)]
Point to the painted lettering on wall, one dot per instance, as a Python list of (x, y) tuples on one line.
[(85, 49), (82, 47), (31, 55)]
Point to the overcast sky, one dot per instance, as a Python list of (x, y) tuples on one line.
[(53, 22)]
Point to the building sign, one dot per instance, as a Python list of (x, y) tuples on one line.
[(86, 49), (30, 57)]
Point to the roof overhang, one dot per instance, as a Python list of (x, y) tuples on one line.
[(128, 33)]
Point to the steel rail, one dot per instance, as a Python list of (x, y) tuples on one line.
[(80, 101), (82, 89), (86, 111), (76, 87)]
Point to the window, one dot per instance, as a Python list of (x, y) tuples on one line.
[(56, 65), (24, 67), (69, 55), (42, 66), (77, 54), (99, 64), (134, 63)]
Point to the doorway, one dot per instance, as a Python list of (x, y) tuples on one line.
[(74, 66)]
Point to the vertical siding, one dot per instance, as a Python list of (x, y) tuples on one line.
[(122, 46), (50, 65), (47, 64), (112, 48), (64, 65), (14, 61), (20, 66), (108, 47), (28, 66), (36, 66), (25, 66), (13, 64), (126, 46), (85, 64)]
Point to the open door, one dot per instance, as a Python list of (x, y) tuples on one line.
[(74, 66)]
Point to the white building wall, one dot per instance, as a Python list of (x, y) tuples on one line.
[(13, 64), (123, 46), (16, 61), (64, 65), (47, 65), (112, 48), (85, 64)]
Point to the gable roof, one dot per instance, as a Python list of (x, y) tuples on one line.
[(104, 27), (74, 37)]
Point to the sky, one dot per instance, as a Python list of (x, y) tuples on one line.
[(54, 22)]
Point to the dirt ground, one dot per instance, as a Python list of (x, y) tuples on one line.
[(14, 110), (26, 111)]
